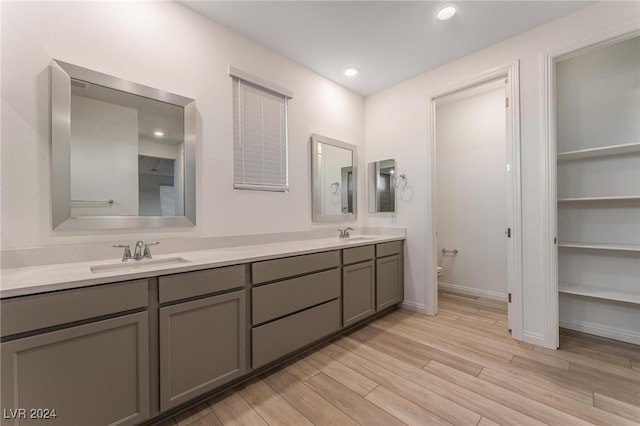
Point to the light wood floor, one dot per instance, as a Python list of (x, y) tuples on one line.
[(460, 367)]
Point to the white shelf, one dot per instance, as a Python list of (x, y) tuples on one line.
[(604, 199), (599, 246), (599, 293), (599, 152)]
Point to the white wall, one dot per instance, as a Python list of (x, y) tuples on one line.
[(396, 127), (163, 45), (598, 97), (471, 192)]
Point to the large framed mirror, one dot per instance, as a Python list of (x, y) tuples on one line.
[(382, 189), (333, 180), (123, 154)]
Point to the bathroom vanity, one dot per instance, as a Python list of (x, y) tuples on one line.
[(127, 347)]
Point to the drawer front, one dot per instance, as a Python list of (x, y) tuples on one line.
[(278, 299), (388, 249), (271, 270), (358, 254), (26, 313), (279, 338), (198, 283)]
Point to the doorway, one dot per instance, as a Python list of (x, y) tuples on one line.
[(476, 193), (471, 194)]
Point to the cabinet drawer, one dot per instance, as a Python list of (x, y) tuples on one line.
[(358, 254), (279, 338), (198, 283), (388, 249), (26, 313), (278, 299), (271, 270)]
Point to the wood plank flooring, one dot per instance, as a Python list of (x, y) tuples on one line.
[(460, 367)]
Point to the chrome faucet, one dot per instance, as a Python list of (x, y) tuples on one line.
[(126, 256), (142, 251), (344, 233)]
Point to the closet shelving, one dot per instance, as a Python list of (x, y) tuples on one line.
[(599, 292), (605, 204), (598, 246), (603, 151), (598, 190)]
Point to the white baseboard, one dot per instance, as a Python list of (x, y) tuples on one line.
[(602, 331), (414, 307), (470, 291), (534, 339)]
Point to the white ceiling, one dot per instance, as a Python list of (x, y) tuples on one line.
[(389, 41)]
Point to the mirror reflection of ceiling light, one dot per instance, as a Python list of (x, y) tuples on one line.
[(446, 12), (158, 133), (350, 71)]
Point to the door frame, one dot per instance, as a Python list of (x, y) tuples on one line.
[(551, 297), (511, 72)]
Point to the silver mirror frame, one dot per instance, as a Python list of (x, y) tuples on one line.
[(61, 75), (317, 215)]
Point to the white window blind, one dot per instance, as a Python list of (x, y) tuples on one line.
[(260, 137)]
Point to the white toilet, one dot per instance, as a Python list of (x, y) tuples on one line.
[(440, 270)]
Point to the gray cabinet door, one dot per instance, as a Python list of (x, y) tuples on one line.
[(91, 374), (202, 346), (390, 283), (358, 292)]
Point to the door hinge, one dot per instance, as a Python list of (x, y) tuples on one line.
[(508, 232), (509, 297), (506, 102)]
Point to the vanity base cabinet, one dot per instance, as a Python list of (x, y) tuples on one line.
[(358, 292), (278, 338), (390, 285), (91, 374), (389, 274), (202, 346)]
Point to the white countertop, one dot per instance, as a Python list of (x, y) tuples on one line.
[(40, 279)]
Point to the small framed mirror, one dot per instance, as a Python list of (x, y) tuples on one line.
[(333, 180), (123, 154), (382, 189)]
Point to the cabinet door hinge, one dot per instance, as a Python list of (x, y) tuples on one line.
[(509, 297), (506, 102)]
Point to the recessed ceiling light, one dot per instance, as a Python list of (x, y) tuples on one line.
[(446, 12), (351, 71), (158, 133)]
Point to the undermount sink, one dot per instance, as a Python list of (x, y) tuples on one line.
[(138, 264), (357, 238)]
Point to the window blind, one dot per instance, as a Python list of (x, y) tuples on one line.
[(260, 137)]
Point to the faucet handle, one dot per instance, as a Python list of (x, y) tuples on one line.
[(341, 234), (126, 256), (147, 250)]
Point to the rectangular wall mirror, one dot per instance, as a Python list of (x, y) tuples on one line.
[(382, 194), (123, 154), (333, 180)]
